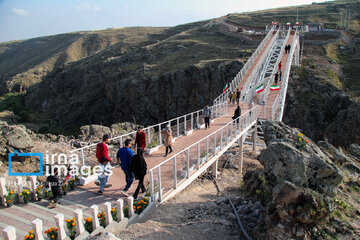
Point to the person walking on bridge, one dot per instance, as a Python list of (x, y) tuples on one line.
[(276, 77), (103, 152), (237, 113), (233, 97), (168, 139), (238, 93), (140, 139), (230, 96), (124, 156), (280, 74), (279, 66), (207, 115), (139, 167)]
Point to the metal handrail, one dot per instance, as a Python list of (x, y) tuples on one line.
[(257, 68), (267, 85), (287, 70), (242, 122), (241, 74)]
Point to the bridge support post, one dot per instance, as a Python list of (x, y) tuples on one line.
[(254, 138), (215, 169), (241, 150)]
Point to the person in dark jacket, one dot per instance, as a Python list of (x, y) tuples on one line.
[(54, 182), (139, 167), (237, 113), (238, 93)]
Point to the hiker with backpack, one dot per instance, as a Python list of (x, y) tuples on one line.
[(139, 167)]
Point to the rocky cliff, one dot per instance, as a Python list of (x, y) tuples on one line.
[(147, 84), (305, 186)]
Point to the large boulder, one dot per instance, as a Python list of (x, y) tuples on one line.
[(93, 132), (14, 137), (297, 184), (284, 160)]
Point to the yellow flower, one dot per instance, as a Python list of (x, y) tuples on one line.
[(11, 192), (20, 194)]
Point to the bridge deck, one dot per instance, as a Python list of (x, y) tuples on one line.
[(274, 94), (118, 178)]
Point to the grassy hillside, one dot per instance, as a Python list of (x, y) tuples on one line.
[(316, 12)]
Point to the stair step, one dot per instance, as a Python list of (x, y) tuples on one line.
[(35, 213), (51, 210)]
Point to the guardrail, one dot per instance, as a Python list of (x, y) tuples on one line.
[(181, 126), (287, 73), (241, 74), (267, 85), (170, 173)]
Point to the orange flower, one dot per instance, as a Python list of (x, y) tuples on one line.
[(31, 231), (102, 218), (56, 229), (89, 219), (31, 236), (26, 236), (73, 224), (67, 220), (52, 236), (11, 192), (307, 141)]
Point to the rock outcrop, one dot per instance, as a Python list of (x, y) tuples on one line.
[(298, 183), (320, 110), (13, 137)]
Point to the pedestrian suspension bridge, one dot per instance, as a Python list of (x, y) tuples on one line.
[(194, 149)]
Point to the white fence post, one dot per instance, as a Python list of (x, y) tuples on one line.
[(33, 187), (59, 218), (9, 233), (130, 202), (94, 215), (78, 214), (108, 216), (37, 226), (120, 204), (3, 190), (175, 172)]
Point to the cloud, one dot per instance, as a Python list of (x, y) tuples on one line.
[(86, 8), (19, 11)]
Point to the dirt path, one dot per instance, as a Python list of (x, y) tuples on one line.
[(198, 212)]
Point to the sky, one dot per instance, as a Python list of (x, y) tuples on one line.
[(22, 19)]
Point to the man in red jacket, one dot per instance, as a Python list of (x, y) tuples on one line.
[(102, 149), (103, 152), (140, 139)]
